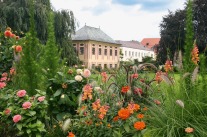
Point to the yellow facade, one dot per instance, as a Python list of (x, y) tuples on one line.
[(95, 53)]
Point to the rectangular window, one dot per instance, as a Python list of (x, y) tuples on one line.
[(125, 53), (110, 65), (132, 54), (93, 66), (110, 52), (115, 52), (136, 54), (115, 65), (105, 51), (129, 53), (81, 50), (99, 51), (105, 65), (93, 50)]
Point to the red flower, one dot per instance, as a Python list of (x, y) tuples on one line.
[(125, 89), (134, 76), (18, 48), (7, 33)]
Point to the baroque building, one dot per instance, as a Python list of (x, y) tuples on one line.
[(95, 48)]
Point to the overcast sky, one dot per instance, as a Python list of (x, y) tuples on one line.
[(121, 19)]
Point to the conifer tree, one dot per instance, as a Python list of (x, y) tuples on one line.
[(51, 56), (28, 70)]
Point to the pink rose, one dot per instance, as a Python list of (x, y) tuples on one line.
[(3, 79), (42, 98), (7, 111), (86, 73), (4, 74), (2, 85), (17, 118), (26, 105), (21, 93)]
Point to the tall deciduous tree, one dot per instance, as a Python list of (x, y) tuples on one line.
[(172, 35), (15, 14)]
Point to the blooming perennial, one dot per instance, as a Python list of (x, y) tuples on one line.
[(140, 125), (21, 93), (168, 66), (195, 55), (104, 76), (124, 113), (86, 73), (189, 130), (26, 105), (40, 99), (17, 118), (125, 89), (87, 92)]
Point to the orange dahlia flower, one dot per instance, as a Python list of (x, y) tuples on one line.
[(140, 116), (124, 114), (116, 118), (125, 89), (18, 48), (70, 134), (140, 125)]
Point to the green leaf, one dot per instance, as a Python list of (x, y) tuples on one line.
[(60, 73), (57, 93), (126, 127), (19, 126), (28, 131), (32, 113)]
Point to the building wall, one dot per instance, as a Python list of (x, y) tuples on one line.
[(130, 53), (91, 56)]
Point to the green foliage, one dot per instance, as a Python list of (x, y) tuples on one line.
[(51, 57), (172, 35), (64, 27), (32, 119), (189, 38), (29, 69), (19, 20), (63, 93)]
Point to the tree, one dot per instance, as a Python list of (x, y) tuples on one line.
[(28, 69), (51, 56), (18, 19), (172, 35)]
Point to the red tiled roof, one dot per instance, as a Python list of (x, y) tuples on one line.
[(150, 42)]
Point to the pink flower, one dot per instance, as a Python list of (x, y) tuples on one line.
[(134, 76), (26, 105), (189, 130), (157, 102), (7, 111), (86, 73), (3, 79), (21, 93), (12, 71), (2, 85), (17, 118), (138, 90), (4, 74), (40, 99)]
